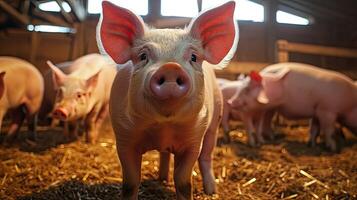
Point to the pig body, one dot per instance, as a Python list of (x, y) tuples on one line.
[(84, 94), (166, 98), (300, 91), (22, 95)]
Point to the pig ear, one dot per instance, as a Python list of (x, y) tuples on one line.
[(57, 75), (2, 85), (218, 31), (275, 75), (116, 31), (92, 81)]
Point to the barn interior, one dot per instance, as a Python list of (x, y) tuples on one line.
[(317, 32)]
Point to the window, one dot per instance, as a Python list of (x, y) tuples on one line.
[(50, 29), (245, 9), (139, 7), (54, 7), (288, 18), (182, 8)]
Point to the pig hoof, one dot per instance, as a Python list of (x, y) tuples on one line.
[(210, 188)]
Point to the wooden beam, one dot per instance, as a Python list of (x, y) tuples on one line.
[(66, 15), (14, 13), (77, 9), (271, 7), (50, 18), (284, 45)]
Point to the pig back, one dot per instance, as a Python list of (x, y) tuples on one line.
[(306, 87), (23, 83)]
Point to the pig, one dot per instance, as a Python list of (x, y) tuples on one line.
[(83, 94), (299, 90), (49, 96), (250, 120), (22, 93), (165, 96)]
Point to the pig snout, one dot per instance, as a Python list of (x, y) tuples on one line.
[(61, 114), (170, 82)]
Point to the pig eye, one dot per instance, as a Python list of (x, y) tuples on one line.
[(143, 56), (193, 58), (79, 95)]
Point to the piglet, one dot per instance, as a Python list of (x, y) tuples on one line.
[(22, 91), (166, 97), (84, 93), (299, 90)]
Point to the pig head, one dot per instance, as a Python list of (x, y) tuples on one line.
[(166, 97), (73, 94)]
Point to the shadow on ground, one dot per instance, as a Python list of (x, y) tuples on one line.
[(149, 189)]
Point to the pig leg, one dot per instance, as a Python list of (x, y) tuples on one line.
[(314, 132), (131, 168), (260, 128), (18, 117), (71, 129), (267, 126), (248, 123), (327, 122), (184, 162), (2, 113), (164, 166), (225, 123), (32, 125), (91, 128), (101, 116)]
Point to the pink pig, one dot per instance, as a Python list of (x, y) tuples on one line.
[(251, 120), (84, 93), (22, 92), (166, 98), (49, 97), (298, 90)]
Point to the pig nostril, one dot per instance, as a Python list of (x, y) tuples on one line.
[(179, 81), (161, 81)]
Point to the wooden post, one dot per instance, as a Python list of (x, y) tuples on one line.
[(282, 55), (270, 9), (34, 46)]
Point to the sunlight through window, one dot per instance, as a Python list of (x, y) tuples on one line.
[(182, 8), (139, 7), (245, 10), (54, 7), (50, 29), (288, 18)]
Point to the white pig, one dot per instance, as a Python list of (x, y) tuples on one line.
[(166, 98), (303, 91)]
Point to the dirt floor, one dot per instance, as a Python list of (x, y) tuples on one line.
[(52, 168)]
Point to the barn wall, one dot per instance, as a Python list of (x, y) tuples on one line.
[(253, 45)]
